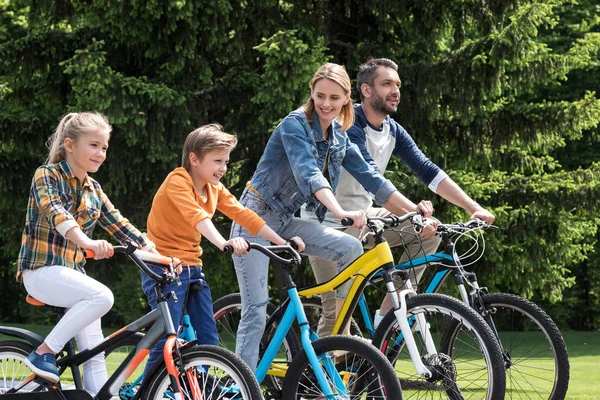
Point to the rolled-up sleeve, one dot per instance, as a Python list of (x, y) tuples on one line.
[(302, 157), (367, 176), (46, 191)]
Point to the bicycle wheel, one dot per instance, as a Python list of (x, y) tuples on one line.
[(535, 353), (227, 312), (219, 374), (13, 370), (364, 371), (471, 368)]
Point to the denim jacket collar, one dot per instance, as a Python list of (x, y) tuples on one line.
[(318, 131)]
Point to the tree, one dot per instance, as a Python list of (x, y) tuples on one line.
[(492, 92)]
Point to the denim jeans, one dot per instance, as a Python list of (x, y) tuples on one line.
[(252, 268), (198, 305)]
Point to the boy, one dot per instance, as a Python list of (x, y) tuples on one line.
[(181, 214)]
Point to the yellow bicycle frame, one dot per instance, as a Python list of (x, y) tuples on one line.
[(361, 271)]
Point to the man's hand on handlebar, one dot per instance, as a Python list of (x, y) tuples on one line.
[(429, 227), (484, 215)]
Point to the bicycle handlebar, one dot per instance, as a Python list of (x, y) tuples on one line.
[(291, 247), (140, 257)]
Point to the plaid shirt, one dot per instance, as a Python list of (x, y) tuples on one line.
[(59, 197)]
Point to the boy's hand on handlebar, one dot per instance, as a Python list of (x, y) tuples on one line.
[(239, 245), (484, 215), (100, 248), (299, 242), (426, 208), (359, 218)]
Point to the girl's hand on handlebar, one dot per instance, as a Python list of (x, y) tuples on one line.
[(239, 245), (299, 243), (426, 208), (359, 218), (101, 248)]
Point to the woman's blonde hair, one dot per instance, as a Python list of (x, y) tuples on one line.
[(72, 126), (205, 139), (337, 74)]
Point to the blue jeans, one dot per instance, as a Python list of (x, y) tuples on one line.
[(252, 268), (199, 308)]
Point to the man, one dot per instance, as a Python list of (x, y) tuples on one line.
[(378, 138)]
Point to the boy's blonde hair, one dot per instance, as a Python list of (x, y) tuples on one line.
[(72, 126), (337, 74), (205, 139)]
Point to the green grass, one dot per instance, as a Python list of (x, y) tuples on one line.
[(584, 351)]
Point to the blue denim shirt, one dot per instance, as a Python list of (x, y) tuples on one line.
[(290, 170)]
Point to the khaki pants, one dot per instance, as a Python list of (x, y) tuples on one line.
[(415, 246)]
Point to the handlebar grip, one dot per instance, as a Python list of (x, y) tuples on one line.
[(228, 249), (347, 221), (87, 253)]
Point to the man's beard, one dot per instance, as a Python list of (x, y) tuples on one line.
[(380, 105)]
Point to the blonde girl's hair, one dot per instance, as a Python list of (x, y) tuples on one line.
[(337, 74), (72, 126), (205, 139)]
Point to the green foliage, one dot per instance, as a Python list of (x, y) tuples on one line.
[(502, 95)]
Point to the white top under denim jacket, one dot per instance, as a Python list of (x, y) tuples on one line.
[(290, 170)]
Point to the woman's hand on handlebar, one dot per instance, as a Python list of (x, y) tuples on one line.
[(299, 242), (359, 218), (426, 208), (237, 245)]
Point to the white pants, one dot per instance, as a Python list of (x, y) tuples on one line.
[(86, 301)]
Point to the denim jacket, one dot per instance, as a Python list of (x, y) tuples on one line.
[(290, 170)]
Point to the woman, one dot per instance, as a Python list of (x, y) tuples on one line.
[(301, 164)]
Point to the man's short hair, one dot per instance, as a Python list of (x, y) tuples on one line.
[(367, 72)]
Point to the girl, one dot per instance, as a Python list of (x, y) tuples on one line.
[(64, 206), (301, 164)]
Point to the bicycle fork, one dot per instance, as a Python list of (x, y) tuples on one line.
[(419, 323)]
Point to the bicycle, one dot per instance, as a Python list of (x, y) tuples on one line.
[(186, 371), (476, 369), (333, 367), (526, 334)]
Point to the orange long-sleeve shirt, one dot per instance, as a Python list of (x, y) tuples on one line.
[(177, 208)]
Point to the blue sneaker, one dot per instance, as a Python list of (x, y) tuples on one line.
[(43, 365)]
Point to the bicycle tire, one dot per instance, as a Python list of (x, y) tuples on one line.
[(13, 370), (364, 369), (228, 376), (227, 312), (472, 368), (528, 336)]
